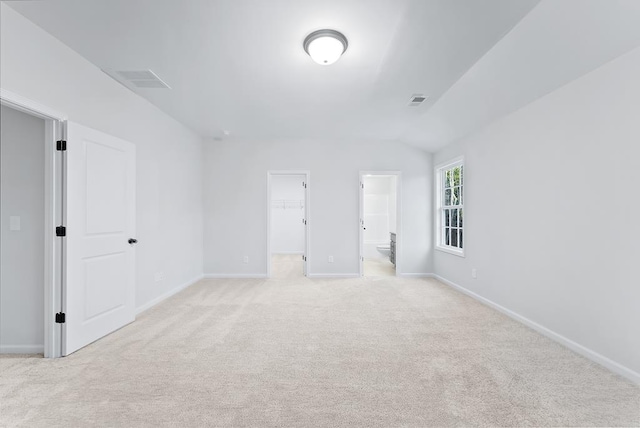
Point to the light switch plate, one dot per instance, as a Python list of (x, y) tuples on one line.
[(14, 223)]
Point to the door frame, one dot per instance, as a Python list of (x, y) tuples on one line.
[(54, 174), (398, 175), (307, 215)]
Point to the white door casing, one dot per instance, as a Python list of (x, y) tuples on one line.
[(361, 226), (306, 220), (52, 280), (99, 291), (305, 262)]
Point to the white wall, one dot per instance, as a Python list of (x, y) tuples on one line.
[(21, 251), (169, 156), (287, 213), (235, 201), (551, 208)]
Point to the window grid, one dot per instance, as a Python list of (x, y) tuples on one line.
[(452, 208)]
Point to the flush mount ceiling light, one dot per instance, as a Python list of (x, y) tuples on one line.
[(325, 46)]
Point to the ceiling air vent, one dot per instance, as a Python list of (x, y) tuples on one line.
[(158, 84), (417, 99), (145, 79)]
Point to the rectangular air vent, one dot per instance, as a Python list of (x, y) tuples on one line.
[(149, 84), (145, 79), (417, 99), (138, 75)]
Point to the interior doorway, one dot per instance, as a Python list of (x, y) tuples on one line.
[(22, 255), (287, 225), (80, 217), (379, 223), (31, 193)]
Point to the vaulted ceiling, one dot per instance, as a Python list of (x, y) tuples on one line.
[(239, 65)]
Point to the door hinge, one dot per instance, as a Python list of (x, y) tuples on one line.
[(60, 318), (61, 145), (61, 231)]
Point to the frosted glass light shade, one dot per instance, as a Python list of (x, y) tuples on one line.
[(325, 46)]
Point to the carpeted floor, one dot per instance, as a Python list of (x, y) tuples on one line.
[(378, 267), (287, 266), (384, 352)]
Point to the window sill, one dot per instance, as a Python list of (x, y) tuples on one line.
[(459, 253)]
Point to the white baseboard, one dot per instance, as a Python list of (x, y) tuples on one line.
[(333, 275), (21, 349), (287, 253), (234, 275), (416, 275), (356, 275), (615, 367), (264, 275), (166, 295)]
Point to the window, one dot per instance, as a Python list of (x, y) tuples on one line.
[(450, 205)]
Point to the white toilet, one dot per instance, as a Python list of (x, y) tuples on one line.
[(384, 249)]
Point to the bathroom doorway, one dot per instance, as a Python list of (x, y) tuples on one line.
[(288, 235), (379, 223)]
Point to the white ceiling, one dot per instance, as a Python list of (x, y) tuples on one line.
[(238, 65)]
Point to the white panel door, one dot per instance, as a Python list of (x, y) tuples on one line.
[(99, 292), (305, 260), (361, 225)]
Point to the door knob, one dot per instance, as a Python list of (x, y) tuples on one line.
[(133, 241)]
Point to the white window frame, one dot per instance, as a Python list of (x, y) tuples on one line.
[(439, 214)]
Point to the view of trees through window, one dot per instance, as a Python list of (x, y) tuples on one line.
[(452, 207)]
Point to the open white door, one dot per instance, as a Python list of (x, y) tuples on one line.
[(305, 256), (100, 236), (361, 226)]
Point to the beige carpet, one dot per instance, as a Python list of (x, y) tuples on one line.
[(287, 266), (378, 267), (310, 353)]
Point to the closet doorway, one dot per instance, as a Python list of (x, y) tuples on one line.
[(380, 223), (288, 224)]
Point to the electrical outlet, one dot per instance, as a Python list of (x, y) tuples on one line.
[(159, 276), (474, 273), (330, 260), (246, 259)]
